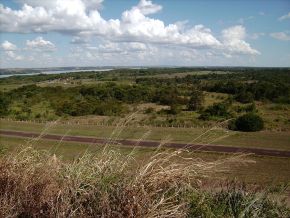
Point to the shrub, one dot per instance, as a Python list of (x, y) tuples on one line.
[(149, 110), (196, 100), (174, 109), (236, 200), (247, 108), (4, 104), (245, 97), (249, 123), (215, 110)]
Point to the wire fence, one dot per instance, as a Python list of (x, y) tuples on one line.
[(136, 125), (108, 124)]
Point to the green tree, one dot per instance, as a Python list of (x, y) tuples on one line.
[(174, 109), (245, 97), (215, 110), (196, 100), (249, 122), (4, 104)]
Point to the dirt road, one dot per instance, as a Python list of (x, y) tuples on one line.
[(152, 144)]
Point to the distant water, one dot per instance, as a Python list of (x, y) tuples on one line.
[(52, 72)]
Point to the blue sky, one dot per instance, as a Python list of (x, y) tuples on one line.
[(50, 33)]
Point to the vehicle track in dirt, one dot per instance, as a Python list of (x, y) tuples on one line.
[(150, 144)]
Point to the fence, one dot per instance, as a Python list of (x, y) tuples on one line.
[(137, 125), (62, 122)]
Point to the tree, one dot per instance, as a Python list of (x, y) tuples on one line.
[(215, 110), (249, 122), (174, 109), (4, 104), (196, 100), (245, 97)]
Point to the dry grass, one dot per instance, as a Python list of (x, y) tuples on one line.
[(35, 183)]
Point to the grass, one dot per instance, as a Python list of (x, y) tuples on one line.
[(264, 139), (35, 183), (9, 87), (213, 97), (42, 178), (276, 116), (265, 171)]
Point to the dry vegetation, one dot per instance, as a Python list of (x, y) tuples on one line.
[(110, 184)]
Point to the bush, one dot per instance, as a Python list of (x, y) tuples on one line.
[(174, 109), (4, 104), (196, 100), (149, 110), (236, 200), (249, 123), (245, 97), (215, 110)]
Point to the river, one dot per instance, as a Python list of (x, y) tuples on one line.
[(52, 72)]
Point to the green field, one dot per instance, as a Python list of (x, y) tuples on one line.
[(265, 170), (264, 139)]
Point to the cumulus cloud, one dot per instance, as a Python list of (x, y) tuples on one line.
[(281, 36), (13, 56), (9, 49), (284, 17), (81, 18), (233, 41), (114, 48), (147, 7), (8, 46), (40, 44)]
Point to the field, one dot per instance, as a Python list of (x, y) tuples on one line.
[(264, 139), (265, 171), (178, 105)]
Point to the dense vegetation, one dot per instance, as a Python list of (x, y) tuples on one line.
[(115, 93), (249, 122)]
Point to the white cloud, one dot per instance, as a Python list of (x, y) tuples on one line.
[(147, 7), (135, 31), (13, 56), (234, 32), (40, 44), (234, 41), (284, 17), (9, 50), (256, 35), (281, 36), (113, 48), (79, 40), (8, 46), (90, 4), (72, 17)]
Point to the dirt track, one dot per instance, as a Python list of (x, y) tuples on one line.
[(198, 147)]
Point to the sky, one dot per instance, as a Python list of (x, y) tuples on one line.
[(59, 33)]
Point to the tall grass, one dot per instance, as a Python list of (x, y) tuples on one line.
[(36, 183)]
